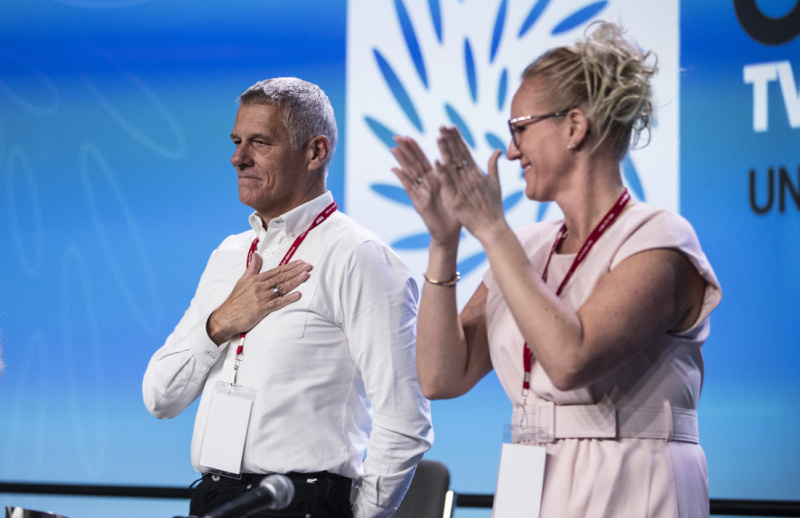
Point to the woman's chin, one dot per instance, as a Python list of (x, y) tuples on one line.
[(532, 194)]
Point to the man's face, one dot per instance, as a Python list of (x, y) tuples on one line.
[(273, 176)]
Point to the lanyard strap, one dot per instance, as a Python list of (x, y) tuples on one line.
[(322, 216), (598, 231), (594, 236), (330, 209)]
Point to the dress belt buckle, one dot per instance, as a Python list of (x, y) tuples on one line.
[(533, 424), (545, 422)]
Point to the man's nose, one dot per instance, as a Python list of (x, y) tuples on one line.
[(240, 156)]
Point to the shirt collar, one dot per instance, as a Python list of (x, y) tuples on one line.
[(297, 220)]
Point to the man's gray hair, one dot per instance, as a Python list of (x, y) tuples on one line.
[(307, 112)]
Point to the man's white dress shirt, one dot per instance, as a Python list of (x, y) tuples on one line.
[(334, 372)]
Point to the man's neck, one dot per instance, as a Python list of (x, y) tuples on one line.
[(311, 194)]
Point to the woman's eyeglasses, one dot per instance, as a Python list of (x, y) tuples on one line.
[(517, 124)]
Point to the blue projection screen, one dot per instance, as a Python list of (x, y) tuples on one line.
[(116, 185)]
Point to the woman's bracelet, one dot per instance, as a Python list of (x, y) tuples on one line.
[(452, 282)]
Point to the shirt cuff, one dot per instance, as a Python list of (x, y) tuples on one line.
[(203, 348), (364, 509)]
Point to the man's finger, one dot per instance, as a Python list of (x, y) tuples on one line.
[(283, 300)]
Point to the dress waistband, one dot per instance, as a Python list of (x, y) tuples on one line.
[(545, 422)]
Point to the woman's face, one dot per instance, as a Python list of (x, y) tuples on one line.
[(538, 143)]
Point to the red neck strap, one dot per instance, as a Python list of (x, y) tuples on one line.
[(598, 231), (330, 209)]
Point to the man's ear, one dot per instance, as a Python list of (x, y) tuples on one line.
[(317, 152), (578, 127)]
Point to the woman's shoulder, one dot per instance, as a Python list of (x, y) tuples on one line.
[(657, 227), (646, 228)]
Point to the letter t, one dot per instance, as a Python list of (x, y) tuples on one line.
[(759, 76)]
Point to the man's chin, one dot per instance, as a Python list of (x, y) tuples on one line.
[(248, 181), (247, 198)]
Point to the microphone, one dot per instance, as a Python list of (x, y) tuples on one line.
[(274, 492)]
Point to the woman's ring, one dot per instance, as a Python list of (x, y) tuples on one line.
[(462, 165), (417, 183), (276, 291)]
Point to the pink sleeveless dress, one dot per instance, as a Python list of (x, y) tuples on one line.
[(625, 446)]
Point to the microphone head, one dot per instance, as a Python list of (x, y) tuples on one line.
[(281, 488)]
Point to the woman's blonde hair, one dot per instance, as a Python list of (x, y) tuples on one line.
[(608, 73)]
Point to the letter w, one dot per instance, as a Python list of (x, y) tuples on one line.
[(791, 97)]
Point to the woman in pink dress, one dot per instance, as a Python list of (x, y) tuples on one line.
[(600, 316)]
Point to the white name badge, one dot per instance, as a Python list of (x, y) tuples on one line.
[(519, 481), (226, 428)]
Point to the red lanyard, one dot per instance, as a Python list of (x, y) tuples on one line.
[(599, 230), (330, 209)]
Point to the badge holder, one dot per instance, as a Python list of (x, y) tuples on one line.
[(226, 429), (520, 478)]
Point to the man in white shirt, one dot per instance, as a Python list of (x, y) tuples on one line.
[(300, 337)]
